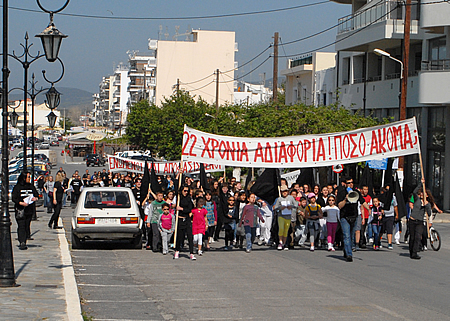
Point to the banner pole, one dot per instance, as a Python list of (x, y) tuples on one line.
[(180, 178), (224, 174), (424, 191)]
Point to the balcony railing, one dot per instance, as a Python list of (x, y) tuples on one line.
[(441, 64), (385, 10)]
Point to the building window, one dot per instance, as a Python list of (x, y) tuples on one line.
[(437, 49)]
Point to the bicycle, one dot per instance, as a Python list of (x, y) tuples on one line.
[(434, 236)]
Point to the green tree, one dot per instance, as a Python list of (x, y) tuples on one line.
[(65, 122)]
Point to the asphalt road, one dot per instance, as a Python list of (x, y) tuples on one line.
[(118, 283)]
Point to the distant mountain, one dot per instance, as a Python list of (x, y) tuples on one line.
[(70, 98)]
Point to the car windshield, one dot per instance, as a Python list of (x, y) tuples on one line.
[(107, 199)]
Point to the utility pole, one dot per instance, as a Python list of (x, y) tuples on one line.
[(217, 93), (404, 87), (275, 68), (178, 86)]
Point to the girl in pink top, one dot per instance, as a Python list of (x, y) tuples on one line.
[(199, 222)]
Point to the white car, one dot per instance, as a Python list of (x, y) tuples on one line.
[(106, 213), (44, 146)]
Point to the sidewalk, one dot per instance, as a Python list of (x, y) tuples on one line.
[(48, 289), (442, 218)]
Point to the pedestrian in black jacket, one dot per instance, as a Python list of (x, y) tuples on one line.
[(58, 194), (24, 206), (184, 227)]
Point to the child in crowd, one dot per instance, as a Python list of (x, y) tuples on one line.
[(332, 220), (250, 216), (199, 223), (377, 216), (313, 214), (211, 216), (300, 227), (155, 212), (166, 224)]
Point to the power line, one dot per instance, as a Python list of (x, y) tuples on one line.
[(193, 82), (358, 13), (348, 36), (212, 81), (180, 18), (240, 77), (254, 58)]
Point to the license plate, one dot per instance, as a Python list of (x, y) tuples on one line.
[(107, 221)]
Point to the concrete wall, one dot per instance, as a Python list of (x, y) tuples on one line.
[(435, 15), (434, 87), (191, 61)]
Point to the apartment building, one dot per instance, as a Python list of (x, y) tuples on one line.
[(111, 102), (193, 64), (371, 83), (119, 109), (250, 94), (310, 79), (142, 77)]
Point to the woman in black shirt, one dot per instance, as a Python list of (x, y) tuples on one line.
[(58, 194)]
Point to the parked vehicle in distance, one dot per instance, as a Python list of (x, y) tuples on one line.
[(44, 145), (106, 213), (94, 159), (143, 158), (54, 143)]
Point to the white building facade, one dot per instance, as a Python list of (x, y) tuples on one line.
[(250, 94), (310, 79), (371, 83)]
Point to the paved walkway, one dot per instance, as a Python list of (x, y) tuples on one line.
[(44, 272)]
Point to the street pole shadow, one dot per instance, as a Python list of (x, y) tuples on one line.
[(22, 268)]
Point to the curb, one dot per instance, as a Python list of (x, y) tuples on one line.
[(70, 284)]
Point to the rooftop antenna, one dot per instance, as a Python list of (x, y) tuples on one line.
[(160, 32), (175, 37), (167, 33), (188, 33)]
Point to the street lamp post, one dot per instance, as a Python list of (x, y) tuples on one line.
[(402, 102), (7, 275), (401, 97)]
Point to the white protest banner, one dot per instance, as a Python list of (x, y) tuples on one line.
[(121, 164), (390, 140), (291, 177)]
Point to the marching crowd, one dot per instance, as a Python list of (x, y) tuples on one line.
[(327, 217)]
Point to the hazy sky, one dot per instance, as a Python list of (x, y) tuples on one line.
[(95, 46)]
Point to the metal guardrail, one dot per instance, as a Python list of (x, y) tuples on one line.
[(441, 64), (385, 10)]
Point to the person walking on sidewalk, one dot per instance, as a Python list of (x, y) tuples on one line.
[(24, 195), (58, 194), (48, 189)]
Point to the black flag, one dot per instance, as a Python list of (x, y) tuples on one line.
[(266, 186), (203, 179), (388, 173), (247, 181), (145, 183), (401, 203), (154, 184), (306, 177)]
